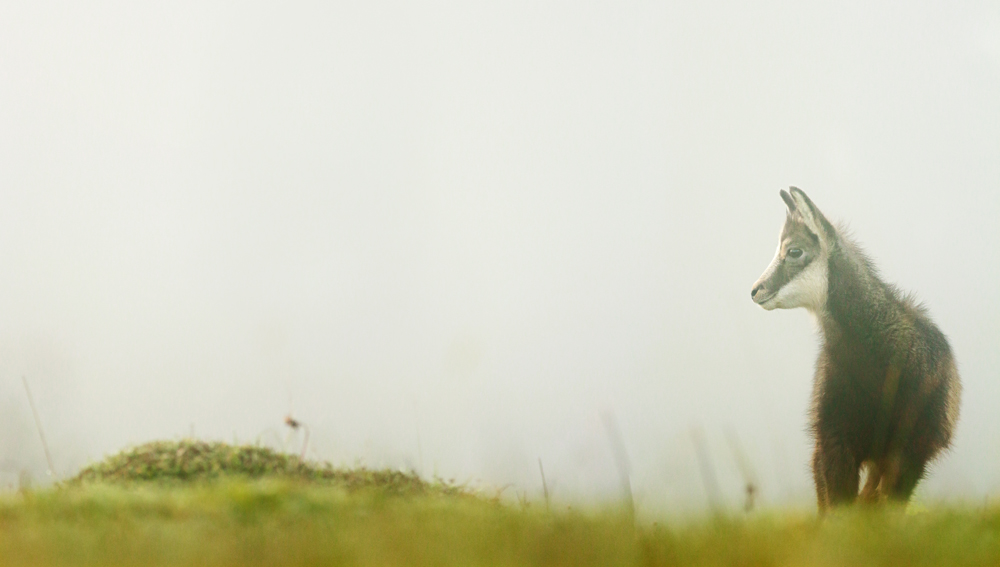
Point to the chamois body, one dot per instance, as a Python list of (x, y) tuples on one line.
[(886, 390)]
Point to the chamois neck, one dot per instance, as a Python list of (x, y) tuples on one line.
[(859, 304)]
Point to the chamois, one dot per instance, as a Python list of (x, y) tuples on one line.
[(886, 390)]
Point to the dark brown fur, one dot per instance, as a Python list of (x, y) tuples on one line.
[(886, 389)]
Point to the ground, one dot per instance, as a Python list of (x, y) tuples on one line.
[(213, 504)]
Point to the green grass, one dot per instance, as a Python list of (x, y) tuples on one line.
[(239, 522), (191, 461), (230, 517)]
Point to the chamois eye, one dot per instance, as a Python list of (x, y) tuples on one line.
[(795, 253)]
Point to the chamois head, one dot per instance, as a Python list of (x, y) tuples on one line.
[(797, 277)]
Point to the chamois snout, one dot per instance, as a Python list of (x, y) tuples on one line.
[(763, 289)]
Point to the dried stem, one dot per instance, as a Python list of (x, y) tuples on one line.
[(38, 424)]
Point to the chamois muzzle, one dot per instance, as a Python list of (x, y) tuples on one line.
[(762, 292)]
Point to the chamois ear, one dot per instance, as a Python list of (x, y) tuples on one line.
[(788, 201), (810, 213)]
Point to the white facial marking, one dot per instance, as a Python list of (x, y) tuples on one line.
[(807, 289)]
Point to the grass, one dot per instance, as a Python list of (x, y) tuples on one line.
[(257, 513), (192, 461)]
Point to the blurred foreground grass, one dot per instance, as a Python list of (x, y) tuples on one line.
[(238, 519), (285, 523)]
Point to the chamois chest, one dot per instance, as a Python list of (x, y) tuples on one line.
[(852, 391)]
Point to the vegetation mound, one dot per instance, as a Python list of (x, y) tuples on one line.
[(194, 461)]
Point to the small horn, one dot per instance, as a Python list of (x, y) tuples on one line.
[(788, 200)]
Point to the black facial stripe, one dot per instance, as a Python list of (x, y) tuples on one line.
[(785, 273), (805, 264), (779, 278)]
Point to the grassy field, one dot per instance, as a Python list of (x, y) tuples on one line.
[(293, 514)]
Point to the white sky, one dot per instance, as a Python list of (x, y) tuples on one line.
[(453, 236)]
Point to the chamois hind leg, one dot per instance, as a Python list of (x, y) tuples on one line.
[(902, 475), (840, 471), (870, 491)]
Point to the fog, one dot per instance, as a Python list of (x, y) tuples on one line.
[(461, 238)]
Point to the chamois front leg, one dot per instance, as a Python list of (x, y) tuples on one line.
[(822, 499), (839, 472)]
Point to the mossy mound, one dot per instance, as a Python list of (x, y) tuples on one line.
[(189, 461)]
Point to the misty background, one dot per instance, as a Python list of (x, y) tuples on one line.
[(456, 237)]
